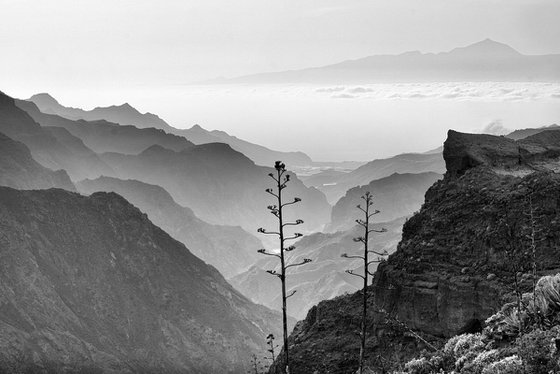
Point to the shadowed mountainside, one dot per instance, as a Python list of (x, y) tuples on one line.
[(397, 195), (220, 185), (56, 149), (229, 248), (19, 170), (455, 263), (89, 284)]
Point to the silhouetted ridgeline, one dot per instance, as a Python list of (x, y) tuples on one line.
[(57, 149), (453, 267), (19, 170), (89, 284), (127, 115)]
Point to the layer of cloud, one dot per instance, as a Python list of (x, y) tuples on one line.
[(460, 91), (496, 127)]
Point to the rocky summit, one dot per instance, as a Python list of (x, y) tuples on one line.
[(456, 261), (90, 285)]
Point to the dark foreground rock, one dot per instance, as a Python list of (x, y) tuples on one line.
[(455, 263)]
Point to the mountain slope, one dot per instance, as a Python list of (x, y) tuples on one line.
[(19, 170), (127, 115), (524, 133), (89, 284), (322, 279), (397, 195), (230, 249), (64, 151), (102, 136), (220, 185), (486, 60), (336, 186), (259, 154), (455, 264)]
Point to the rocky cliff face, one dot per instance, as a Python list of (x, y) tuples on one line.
[(19, 170), (89, 284), (454, 265)]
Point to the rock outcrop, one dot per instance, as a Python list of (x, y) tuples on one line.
[(455, 263), (536, 152), (90, 285)]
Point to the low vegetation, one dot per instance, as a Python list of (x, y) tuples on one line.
[(522, 338)]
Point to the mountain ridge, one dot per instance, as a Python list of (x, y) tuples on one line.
[(480, 61), (125, 114)]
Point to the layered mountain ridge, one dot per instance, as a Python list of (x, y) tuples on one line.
[(127, 115), (19, 170), (54, 148)]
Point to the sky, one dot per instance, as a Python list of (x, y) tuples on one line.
[(66, 43), (103, 52)]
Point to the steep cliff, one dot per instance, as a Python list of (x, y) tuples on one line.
[(454, 265), (90, 285)]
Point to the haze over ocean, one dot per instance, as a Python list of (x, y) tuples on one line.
[(341, 122)]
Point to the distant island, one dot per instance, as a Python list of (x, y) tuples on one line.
[(486, 60)]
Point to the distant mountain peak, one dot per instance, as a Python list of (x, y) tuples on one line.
[(487, 47), (197, 127), (45, 98)]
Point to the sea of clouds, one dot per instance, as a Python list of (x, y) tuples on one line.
[(471, 91)]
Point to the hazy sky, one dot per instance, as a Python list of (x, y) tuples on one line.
[(73, 43), (103, 52)]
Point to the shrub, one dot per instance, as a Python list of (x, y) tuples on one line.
[(538, 350), (482, 360), (468, 343), (508, 365), (418, 366), (504, 325), (547, 294)]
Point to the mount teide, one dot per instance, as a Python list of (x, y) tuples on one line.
[(486, 60)]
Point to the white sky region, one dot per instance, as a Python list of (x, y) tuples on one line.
[(96, 53)]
